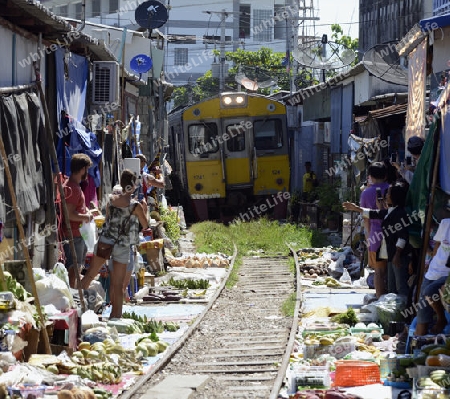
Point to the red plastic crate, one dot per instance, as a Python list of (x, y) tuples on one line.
[(353, 373)]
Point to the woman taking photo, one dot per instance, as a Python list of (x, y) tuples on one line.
[(121, 229)]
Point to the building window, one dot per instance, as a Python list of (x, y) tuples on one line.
[(263, 21), (244, 21), (78, 11), (63, 11), (181, 56), (113, 6), (279, 29), (96, 8)]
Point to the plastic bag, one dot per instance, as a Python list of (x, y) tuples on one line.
[(52, 290), (345, 278), (88, 232)]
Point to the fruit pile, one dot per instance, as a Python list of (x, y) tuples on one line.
[(436, 380)]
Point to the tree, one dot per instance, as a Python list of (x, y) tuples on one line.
[(258, 65), (263, 62)]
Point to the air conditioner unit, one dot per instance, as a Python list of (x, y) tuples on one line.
[(105, 83)]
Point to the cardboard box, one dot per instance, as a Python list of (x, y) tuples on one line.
[(155, 260)]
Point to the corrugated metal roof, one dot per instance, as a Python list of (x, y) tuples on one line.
[(396, 109), (33, 17)]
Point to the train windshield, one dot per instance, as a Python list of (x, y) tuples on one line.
[(203, 138), (268, 134), (236, 138)]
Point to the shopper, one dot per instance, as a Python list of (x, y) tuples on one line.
[(121, 230), (394, 226), (78, 213), (430, 304), (376, 180), (415, 145)]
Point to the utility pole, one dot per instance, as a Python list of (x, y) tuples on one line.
[(222, 51), (223, 16)]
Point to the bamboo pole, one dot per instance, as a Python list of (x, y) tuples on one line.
[(24, 247), (59, 183)]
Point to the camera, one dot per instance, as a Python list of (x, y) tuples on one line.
[(379, 195), (408, 161)]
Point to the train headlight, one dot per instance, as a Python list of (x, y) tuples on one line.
[(230, 100), (227, 100)]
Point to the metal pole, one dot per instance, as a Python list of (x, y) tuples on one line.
[(222, 52)]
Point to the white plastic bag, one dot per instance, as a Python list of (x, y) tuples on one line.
[(345, 278), (88, 232), (52, 290)]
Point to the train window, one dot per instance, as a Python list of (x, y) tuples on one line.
[(203, 138), (236, 138), (268, 134)]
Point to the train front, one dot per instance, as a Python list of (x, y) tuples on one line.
[(237, 158)]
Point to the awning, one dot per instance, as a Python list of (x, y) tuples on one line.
[(436, 22), (383, 112)]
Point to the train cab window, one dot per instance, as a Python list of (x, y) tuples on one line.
[(236, 138), (202, 139), (268, 134)]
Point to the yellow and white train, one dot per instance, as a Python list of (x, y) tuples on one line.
[(231, 155)]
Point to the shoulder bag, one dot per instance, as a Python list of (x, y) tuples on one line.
[(104, 250)]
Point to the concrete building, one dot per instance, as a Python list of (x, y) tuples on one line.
[(386, 20), (193, 31), (441, 7)]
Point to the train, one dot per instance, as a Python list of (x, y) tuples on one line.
[(230, 156)]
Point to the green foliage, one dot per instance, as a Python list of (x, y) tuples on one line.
[(349, 318), (171, 225), (328, 195), (288, 306), (264, 59), (262, 234)]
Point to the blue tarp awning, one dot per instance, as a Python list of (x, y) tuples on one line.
[(436, 22)]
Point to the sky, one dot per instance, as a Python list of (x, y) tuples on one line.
[(344, 13)]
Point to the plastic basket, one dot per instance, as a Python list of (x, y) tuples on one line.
[(351, 373)]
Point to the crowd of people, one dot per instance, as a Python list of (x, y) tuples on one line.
[(392, 253), (126, 216)]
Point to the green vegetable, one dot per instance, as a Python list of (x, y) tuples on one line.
[(349, 317)]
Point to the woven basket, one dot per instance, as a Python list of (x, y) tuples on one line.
[(352, 373)]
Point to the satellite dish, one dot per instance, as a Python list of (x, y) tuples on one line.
[(322, 54), (141, 63), (383, 61), (255, 79), (151, 14)]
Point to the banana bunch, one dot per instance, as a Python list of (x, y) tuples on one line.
[(441, 378), (106, 372), (332, 282), (368, 348)]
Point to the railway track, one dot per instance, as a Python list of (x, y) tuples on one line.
[(240, 346)]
